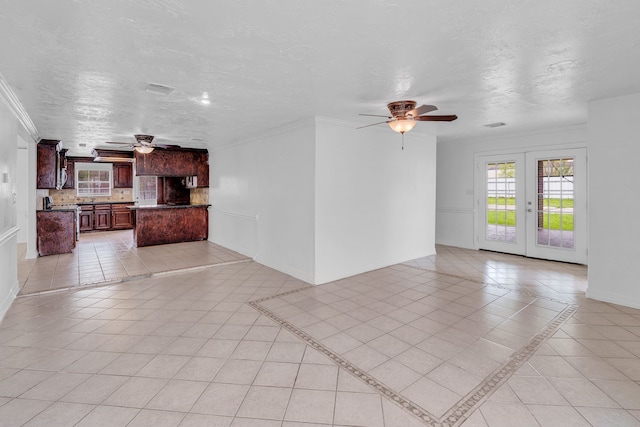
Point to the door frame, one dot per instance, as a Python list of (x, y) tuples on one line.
[(519, 246), (479, 227), (580, 231)]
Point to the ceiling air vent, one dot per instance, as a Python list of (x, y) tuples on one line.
[(495, 125), (159, 89)]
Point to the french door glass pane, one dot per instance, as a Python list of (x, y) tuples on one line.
[(555, 203), (501, 202)]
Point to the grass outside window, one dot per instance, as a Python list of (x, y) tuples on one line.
[(549, 202), (508, 218)]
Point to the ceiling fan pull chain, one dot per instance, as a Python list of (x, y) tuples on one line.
[(403, 141)]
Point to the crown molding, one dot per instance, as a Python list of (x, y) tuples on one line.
[(17, 109), (306, 122), (580, 130)]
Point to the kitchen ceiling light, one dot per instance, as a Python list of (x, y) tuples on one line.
[(144, 149), (402, 125)]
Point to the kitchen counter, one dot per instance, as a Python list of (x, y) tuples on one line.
[(60, 209), (162, 224), (168, 206), (102, 203)]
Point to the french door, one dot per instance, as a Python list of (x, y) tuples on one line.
[(534, 204)]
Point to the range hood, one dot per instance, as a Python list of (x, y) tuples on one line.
[(111, 156)]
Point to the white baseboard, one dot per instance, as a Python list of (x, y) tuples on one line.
[(293, 272), (623, 300), (7, 299)]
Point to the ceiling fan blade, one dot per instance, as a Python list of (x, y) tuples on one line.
[(374, 115), (446, 118), (115, 142), (373, 124), (423, 109), (148, 139), (165, 146)]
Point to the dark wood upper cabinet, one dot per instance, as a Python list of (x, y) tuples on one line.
[(203, 168), (47, 155), (175, 162), (71, 174), (122, 175), (166, 162)]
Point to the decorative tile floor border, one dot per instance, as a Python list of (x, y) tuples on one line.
[(459, 412)]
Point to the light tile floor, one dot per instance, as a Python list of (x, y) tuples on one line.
[(111, 256), (187, 349)]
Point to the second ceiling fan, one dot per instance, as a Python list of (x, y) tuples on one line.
[(405, 115), (144, 144)]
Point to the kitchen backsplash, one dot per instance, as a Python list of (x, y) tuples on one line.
[(199, 196), (69, 196)]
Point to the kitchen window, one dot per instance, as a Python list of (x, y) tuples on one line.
[(94, 179), (146, 188)]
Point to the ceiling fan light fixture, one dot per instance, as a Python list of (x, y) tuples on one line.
[(204, 99), (144, 149), (402, 125)]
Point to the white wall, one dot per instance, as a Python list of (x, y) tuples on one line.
[(22, 183), (321, 201), (262, 192), (8, 229), (375, 203), (456, 187), (614, 150)]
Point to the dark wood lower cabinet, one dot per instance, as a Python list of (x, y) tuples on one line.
[(121, 216), (86, 218), (56, 232), (166, 224), (104, 217)]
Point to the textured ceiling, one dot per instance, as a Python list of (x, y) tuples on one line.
[(80, 67)]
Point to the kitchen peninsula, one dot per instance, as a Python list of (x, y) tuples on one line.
[(161, 224)]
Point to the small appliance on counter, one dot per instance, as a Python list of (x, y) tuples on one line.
[(47, 203)]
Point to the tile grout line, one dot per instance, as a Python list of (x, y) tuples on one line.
[(459, 412), (132, 278)]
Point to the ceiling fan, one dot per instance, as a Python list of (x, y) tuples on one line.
[(144, 144), (405, 115)]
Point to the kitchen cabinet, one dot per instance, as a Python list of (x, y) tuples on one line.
[(121, 216), (86, 218), (122, 175), (202, 160), (51, 165), (71, 175), (175, 162), (55, 231), (47, 163), (106, 216), (101, 217), (166, 162), (158, 225)]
